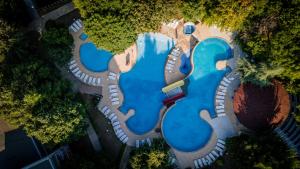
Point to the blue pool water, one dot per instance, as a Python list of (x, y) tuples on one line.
[(95, 60), (142, 85), (182, 126)]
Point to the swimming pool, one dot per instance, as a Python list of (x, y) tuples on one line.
[(93, 59), (142, 85), (182, 126)]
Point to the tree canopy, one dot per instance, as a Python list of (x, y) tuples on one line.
[(34, 96)]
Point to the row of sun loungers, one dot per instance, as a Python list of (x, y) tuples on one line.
[(114, 95), (175, 53), (220, 96), (212, 156), (115, 123), (85, 78), (76, 26), (112, 76), (139, 143)]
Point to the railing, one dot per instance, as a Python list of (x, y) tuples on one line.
[(52, 6)]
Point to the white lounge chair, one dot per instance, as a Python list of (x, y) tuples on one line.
[(221, 141), (90, 80), (115, 99), (219, 149), (113, 90), (78, 23), (221, 93), (114, 118), (77, 74), (224, 83), (75, 70), (220, 97), (112, 74), (226, 80), (116, 123), (231, 78), (220, 111), (220, 107), (106, 112), (120, 134), (215, 153), (204, 162), (212, 156), (82, 76), (220, 101), (112, 78), (85, 78), (209, 160), (137, 145), (171, 62), (196, 164), (200, 163), (72, 66), (99, 81), (113, 86), (124, 136), (115, 103), (94, 81), (125, 140), (118, 131), (73, 28), (76, 26), (170, 65), (221, 114), (104, 108), (148, 141), (113, 95), (72, 62), (223, 87), (221, 145)]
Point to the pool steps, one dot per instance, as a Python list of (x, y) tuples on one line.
[(209, 158)]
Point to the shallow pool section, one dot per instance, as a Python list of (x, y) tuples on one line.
[(182, 126), (142, 85), (93, 59)]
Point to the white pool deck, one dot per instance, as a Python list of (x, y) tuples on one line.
[(224, 127)]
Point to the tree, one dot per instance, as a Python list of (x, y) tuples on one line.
[(154, 157), (7, 38), (259, 152), (261, 74), (35, 97)]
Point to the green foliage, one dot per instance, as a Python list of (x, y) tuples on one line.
[(154, 157), (260, 74), (258, 152), (7, 38), (35, 97), (57, 42), (114, 25)]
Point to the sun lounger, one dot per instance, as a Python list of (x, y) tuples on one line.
[(220, 101), (111, 116), (114, 119), (112, 87), (221, 145), (212, 156), (94, 81), (113, 95), (82, 76), (112, 78), (222, 87), (196, 164), (72, 62), (77, 74), (137, 145), (73, 28), (226, 80), (231, 78), (118, 131), (75, 70), (99, 81), (221, 141), (170, 65), (72, 66), (221, 93), (90, 80), (220, 107), (215, 153), (115, 99), (220, 111), (125, 140), (220, 97), (106, 112), (209, 160), (122, 138), (121, 134), (78, 23), (221, 114), (116, 123), (200, 163), (219, 149), (112, 74), (76, 26), (171, 62), (115, 103), (204, 161), (113, 90), (85, 78), (224, 83), (149, 141), (104, 108)]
